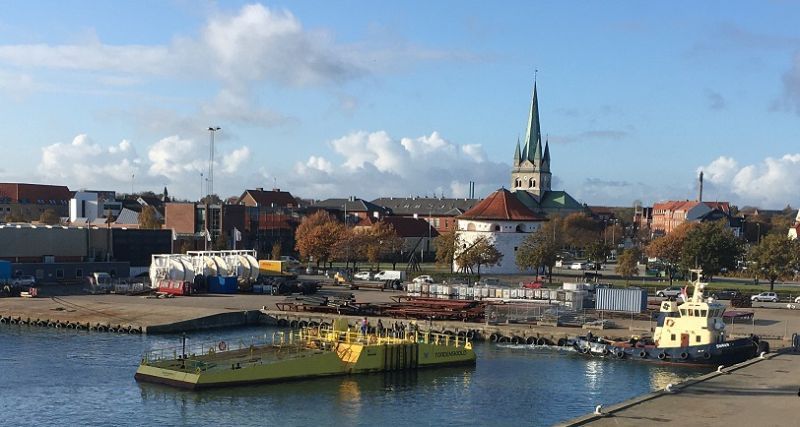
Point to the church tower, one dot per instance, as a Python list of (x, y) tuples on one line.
[(531, 168)]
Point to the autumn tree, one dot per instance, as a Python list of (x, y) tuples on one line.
[(148, 219), (480, 252), (775, 257), (49, 217), (669, 249), (538, 251), (276, 251), (316, 235), (15, 215), (350, 248), (712, 247), (446, 244), (382, 240), (628, 263)]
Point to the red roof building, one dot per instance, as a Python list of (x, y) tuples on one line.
[(501, 205)]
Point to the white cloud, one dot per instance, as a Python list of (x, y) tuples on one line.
[(374, 164), (233, 161), (771, 183), (86, 163), (172, 161)]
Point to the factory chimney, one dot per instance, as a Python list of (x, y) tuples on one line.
[(700, 199)]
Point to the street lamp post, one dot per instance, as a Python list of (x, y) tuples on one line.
[(211, 130)]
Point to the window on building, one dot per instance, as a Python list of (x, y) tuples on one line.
[(697, 338), (672, 337), (59, 274), (78, 273), (496, 228), (703, 313), (531, 183)]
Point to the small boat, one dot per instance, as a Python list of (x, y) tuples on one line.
[(690, 333), (305, 353)]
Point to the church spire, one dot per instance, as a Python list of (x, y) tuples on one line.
[(546, 159), (517, 154), (533, 135)]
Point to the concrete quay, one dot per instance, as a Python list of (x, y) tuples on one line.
[(758, 392)]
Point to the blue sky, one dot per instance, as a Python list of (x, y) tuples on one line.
[(404, 98)]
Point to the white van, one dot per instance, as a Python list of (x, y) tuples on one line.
[(389, 275)]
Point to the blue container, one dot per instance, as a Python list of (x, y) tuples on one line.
[(223, 285), (5, 271), (631, 300)]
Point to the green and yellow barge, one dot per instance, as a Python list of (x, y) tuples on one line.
[(301, 354)]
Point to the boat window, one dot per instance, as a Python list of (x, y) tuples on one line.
[(683, 312), (703, 313), (673, 337), (697, 338)]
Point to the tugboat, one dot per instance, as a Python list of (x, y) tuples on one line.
[(307, 353), (690, 333)]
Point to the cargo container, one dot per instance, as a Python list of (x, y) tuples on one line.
[(629, 300), (223, 285)]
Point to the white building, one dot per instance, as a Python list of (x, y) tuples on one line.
[(505, 221), (795, 228), (83, 207)]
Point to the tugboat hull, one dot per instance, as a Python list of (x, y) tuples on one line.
[(726, 353)]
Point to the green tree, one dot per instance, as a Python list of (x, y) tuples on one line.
[(351, 247), (580, 230), (669, 249), (712, 247), (538, 251), (628, 263), (597, 252), (148, 219), (775, 258), (481, 252), (211, 199), (446, 245), (49, 217)]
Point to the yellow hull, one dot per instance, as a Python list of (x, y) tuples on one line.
[(307, 356)]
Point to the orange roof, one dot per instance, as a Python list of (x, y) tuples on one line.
[(501, 205)]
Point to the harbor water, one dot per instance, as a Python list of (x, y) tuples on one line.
[(68, 377)]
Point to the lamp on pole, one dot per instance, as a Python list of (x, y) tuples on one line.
[(211, 130)]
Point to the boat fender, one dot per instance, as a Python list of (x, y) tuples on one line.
[(670, 322), (585, 350), (643, 354), (503, 338), (471, 334), (562, 342), (541, 341), (619, 353), (222, 346), (605, 352), (662, 356), (684, 355), (494, 337), (531, 341), (706, 355)]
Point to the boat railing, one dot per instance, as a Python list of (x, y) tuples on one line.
[(196, 349), (403, 337)]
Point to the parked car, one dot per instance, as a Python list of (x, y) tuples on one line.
[(797, 300), (363, 275), (578, 266), (765, 297), (290, 259), (423, 279), (670, 292), (725, 294), (23, 281)]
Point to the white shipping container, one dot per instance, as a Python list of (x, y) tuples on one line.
[(506, 294)]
